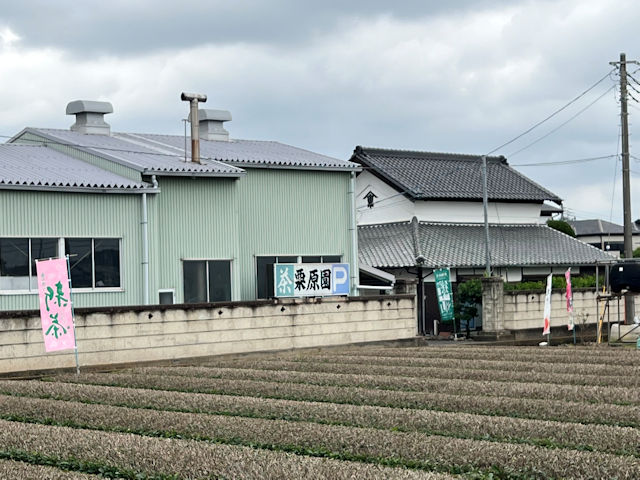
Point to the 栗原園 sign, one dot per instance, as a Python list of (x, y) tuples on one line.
[(310, 279)]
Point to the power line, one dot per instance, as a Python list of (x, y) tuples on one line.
[(562, 124), (552, 115), (564, 162)]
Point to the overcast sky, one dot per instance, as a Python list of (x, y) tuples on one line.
[(460, 76)]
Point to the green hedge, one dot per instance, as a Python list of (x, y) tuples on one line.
[(557, 281)]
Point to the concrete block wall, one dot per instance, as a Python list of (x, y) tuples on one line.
[(160, 333), (525, 310)]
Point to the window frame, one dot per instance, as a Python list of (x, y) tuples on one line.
[(93, 287), (172, 291), (61, 253), (206, 274), (29, 290)]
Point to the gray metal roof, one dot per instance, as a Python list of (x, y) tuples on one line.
[(165, 154), (137, 153), (462, 245), (254, 153), (431, 175), (600, 227), (42, 168)]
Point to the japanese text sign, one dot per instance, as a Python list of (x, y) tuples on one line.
[(311, 279), (55, 304), (445, 296)]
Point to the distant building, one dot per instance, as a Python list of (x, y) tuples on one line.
[(605, 235)]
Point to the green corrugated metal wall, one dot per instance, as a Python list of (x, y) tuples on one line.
[(291, 212), (192, 218), (53, 214), (266, 212)]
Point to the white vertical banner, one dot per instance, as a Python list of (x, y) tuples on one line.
[(547, 308)]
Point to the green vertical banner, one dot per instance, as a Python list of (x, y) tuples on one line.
[(445, 295)]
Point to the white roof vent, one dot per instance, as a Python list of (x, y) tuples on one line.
[(90, 116), (211, 127)]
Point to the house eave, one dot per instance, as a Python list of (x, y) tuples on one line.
[(69, 189)]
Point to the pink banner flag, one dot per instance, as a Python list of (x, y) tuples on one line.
[(547, 308), (569, 295), (55, 305)]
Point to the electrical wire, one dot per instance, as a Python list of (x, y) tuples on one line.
[(551, 115), (564, 162), (562, 124)]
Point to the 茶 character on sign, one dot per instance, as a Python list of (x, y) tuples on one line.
[(55, 326), (313, 280), (284, 284), (300, 279)]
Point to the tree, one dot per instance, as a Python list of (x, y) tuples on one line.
[(468, 299), (561, 226)]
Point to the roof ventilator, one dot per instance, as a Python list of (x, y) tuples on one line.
[(90, 116), (211, 124)]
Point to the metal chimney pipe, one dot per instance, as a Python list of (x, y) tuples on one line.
[(194, 98)]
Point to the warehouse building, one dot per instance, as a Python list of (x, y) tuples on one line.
[(145, 221)]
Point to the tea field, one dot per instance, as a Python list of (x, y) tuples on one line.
[(433, 412)]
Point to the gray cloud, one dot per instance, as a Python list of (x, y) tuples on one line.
[(328, 76), (124, 27)]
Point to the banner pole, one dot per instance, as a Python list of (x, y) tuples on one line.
[(73, 318)]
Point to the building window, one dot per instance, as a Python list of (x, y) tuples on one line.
[(167, 296), (94, 262), (264, 269), (18, 261), (206, 281)]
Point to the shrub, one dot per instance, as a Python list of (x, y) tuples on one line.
[(561, 226), (557, 282)]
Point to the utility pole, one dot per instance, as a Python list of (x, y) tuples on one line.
[(485, 206), (626, 183)]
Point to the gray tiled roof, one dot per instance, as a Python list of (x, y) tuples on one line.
[(600, 227), (40, 167), (248, 153), (431, 175), (462, 245), (137, 153)]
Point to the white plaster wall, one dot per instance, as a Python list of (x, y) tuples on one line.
[(472, 212), (392, 206), (129, 336)]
